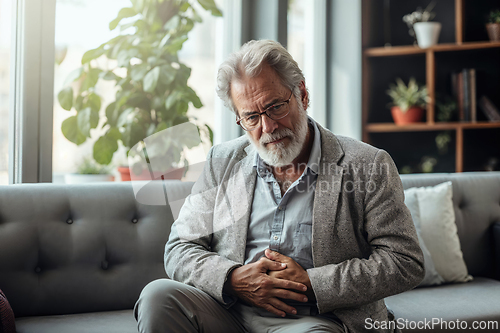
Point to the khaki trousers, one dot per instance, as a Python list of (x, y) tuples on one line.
[(169, 306)]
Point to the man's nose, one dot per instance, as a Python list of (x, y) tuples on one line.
[(268, 125)]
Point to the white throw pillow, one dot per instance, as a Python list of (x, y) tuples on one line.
[(439, 231), (432, 277)]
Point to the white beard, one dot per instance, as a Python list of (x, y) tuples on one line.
[(279, 155)]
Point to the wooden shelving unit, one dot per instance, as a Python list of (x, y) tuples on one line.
[(410, 57)]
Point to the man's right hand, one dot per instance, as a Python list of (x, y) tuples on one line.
[(252, 284)]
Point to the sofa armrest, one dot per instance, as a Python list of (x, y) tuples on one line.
[(496, 238)]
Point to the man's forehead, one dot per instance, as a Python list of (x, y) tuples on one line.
[(250, 94)]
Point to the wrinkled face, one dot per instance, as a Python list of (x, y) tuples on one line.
[(278, 142)]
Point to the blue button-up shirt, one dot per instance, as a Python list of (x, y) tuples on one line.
[(284, 223)]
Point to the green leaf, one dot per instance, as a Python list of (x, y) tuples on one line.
[(176, 45), (133, 133), (124, 13), (104, 148), (65, 98), (70, 130), (182, 107), (172, 99), (139, 100), (73, 76), (122, 58), (138, 72), (87, 119), (109, 76), (167, 74), (187, 27), (93, 54), (184, 7), (112, 113), (210, 134), (210, 5), (193, 97), (164, 41), (114, 133), (78, 105), (125, 117), (94, 102), (161, 126), (151, 79), (91, 78), (141, 25)]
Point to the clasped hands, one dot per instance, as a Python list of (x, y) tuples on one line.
[(267, 281)]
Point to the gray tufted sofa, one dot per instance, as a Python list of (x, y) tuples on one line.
[(476, 201), (74, 258)]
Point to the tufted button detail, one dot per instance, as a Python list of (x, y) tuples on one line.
[(104, 264), (69, 221), (38, 270), (135, 220)]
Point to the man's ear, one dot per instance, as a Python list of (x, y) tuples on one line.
[(304, 94)]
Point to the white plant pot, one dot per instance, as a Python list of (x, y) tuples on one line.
[(76, 178), (427, 33)]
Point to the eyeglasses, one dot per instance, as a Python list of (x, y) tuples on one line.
[(275, 112)]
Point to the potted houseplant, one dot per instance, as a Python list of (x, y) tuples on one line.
[(493, 25), (408, 102), (421, 28), (88, 171), (152, 93)]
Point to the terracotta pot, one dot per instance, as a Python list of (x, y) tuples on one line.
[(413, 115), (493, 31), (174, 173)]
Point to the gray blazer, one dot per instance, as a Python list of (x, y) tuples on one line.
[(364, 243)]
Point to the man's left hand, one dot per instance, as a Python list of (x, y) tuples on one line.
[(293, 272)]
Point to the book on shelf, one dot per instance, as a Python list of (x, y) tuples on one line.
[(489, 109), (463, 85)]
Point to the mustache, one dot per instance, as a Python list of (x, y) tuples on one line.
[(270, 137)]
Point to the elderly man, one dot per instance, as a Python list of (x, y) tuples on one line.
[(290, 228)]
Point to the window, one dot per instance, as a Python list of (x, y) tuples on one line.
[(5, 38), (296, 30), (82, 25)]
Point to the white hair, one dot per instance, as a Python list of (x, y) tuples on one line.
[(248, 61)]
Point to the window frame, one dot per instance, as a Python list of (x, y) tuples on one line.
[(31, 99)]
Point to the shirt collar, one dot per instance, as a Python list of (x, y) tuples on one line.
[(314, 158)]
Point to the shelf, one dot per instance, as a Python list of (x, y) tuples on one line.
[(421, 127), (410, 49)]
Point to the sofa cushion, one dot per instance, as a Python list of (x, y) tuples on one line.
[(439, 231), (432, 277), (476, 201), (108, 322), (473, 301), (7, 320)]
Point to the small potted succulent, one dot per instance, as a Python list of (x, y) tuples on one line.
[(89, 171), (425, 32), (408, 102), (493, 25)]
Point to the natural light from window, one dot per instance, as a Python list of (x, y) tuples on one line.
[(82, 25), (5, 37)]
